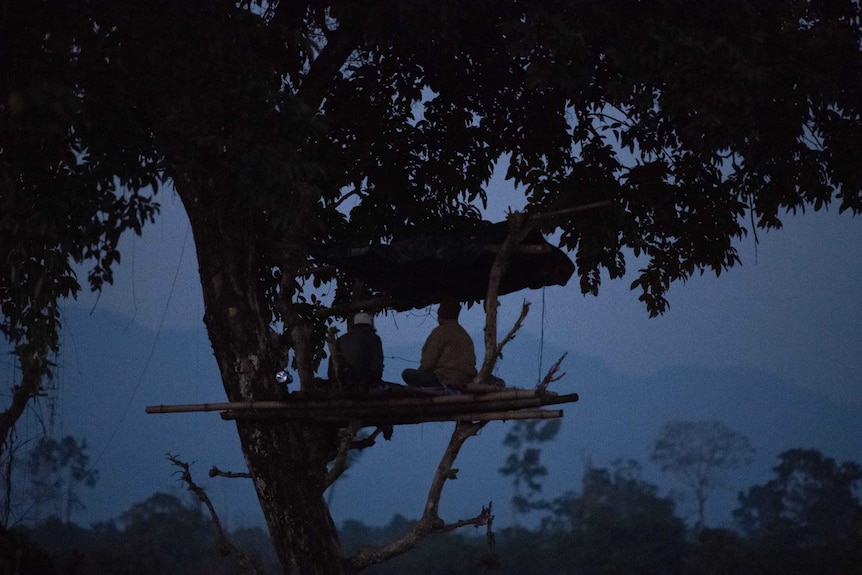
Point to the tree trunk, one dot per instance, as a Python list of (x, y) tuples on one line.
[(287, 460), (288, 464)]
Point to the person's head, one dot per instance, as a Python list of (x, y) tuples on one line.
[(449, 309), (363, 318)]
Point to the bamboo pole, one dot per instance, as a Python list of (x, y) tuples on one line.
[(371, 400), (408, 419), (485, 416), (372, 412), (424, 412)]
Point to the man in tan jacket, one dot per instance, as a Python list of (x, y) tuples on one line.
[(448, 356)]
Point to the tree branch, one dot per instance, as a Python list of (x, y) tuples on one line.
[(430, 521), (370, 441), (339, 465), (225, 547), (339, 45), (31, 385), (216, 472), (551, 376), (348, 442), (334, 356), (525, 309), (519, 227), (483, 518)]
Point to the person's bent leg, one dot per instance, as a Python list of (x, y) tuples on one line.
[(420, 378)]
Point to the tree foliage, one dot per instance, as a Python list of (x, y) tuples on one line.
[(285, 124), (57, 470), (699, 454), (523, 464), (808, 518), (618, 523)]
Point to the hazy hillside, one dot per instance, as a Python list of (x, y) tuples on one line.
[(111, 369)]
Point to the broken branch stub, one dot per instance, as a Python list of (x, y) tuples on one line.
[(430, 521)]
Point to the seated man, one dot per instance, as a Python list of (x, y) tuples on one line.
[(360, 356), (448, 356)]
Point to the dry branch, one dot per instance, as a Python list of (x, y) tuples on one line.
[(552, 375), (370, 441), (216, 472), (339, 465), (225, 547), (514, 237), (525, 309), (430, 521)]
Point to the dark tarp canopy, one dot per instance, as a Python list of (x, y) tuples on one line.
[(420, 271)]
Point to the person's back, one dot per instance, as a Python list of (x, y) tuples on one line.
[(448, 355), (361, 355)]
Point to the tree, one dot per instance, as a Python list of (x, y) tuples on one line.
[(699, 454), (281, 125), (620, 524), (523, 463), (52, 472), (807, 519), (56, 469)]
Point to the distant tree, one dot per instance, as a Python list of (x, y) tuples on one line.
[(807, 519), (56, 469), (699, 454), (619, 524), (677, 121), (523, 464)]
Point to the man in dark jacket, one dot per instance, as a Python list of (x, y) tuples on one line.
[(360, 356)]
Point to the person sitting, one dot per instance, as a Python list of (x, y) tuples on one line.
[(448, 355), (359, 363)]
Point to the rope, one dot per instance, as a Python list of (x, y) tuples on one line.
[(542, 338), (150, 356)]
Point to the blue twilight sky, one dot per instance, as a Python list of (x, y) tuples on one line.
[(791, 312)]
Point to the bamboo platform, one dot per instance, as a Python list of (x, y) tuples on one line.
[(398, 406)]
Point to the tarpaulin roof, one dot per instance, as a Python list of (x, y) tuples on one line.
[(420, 271)]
